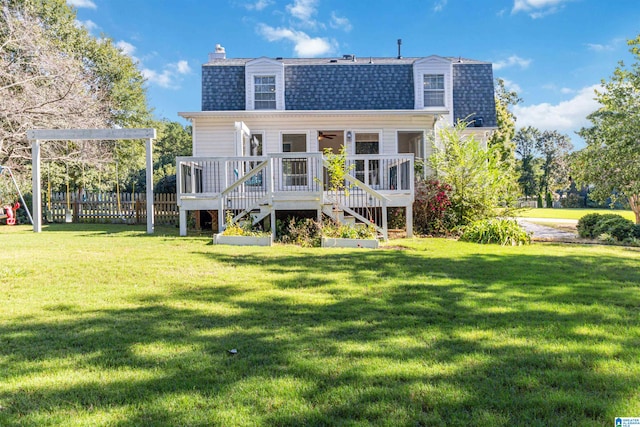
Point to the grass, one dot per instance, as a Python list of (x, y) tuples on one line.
[(107, 326), (571, 213)]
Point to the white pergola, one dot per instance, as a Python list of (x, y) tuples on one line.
[(39, 135)]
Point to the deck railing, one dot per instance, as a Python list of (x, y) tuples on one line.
[(297, 172), (289, 172), (383, 172)]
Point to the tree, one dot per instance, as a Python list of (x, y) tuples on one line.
[(502, 138), (554, 149), (40, 87), (477, 176), (54, 74), (525, 142), (610, 160), (173, 140)]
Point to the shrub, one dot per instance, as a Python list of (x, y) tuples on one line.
[(587, 225), (636, 231), (431, 208), (501, 231), (539, 202), (345, 231), (396, 217), (304, 232), (618, 227), (244, 228), (614, 227)]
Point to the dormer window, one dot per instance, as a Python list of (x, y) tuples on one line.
[(265, 92), (264, 85), (434, 90), (433, 84)]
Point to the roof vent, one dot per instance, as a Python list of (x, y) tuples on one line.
[(333, 61), (219, 53), (279, 58), (349, 57)]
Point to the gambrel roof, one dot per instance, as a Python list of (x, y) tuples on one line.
[(350, 83)]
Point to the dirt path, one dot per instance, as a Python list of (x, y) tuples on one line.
[(544, 233)]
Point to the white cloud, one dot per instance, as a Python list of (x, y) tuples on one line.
[(168, 78), (439, 5), (88, 24), (511, 86), (339, 22), (182, 67), (566, 116), (611, 46), (598, 47), (126, 48), (89, 4), (538, 8), (566, 90), (258, 5), (304, 45), (163, 79), (513, 60), (303, 9)]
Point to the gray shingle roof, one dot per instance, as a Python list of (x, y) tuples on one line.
[(344, 84)]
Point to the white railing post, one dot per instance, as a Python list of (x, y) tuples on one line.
[(221, 225), (36, 203), (149, 182), (192, 177), (182, 215), (409, 220), (412, 175), (385, 227), (178, 180)]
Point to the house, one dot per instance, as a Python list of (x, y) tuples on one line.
[(258, 142)]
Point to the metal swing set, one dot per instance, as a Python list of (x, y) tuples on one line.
[(8, 211)]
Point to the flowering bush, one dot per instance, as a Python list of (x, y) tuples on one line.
[(334, 229), (431, 208), (237, 229)]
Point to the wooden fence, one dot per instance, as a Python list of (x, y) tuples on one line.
[(106, 208)]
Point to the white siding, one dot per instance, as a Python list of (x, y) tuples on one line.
[(214, 136)]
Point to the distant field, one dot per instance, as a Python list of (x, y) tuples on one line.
[(571, 213)]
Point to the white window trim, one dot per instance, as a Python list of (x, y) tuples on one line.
[(352, 150), (275, 92), (437, 90), (424, 138), (296, 132)]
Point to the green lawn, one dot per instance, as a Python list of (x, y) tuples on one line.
[(109, 326), (571, 213)]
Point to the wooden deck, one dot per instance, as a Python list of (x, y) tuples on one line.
[(259, 186)]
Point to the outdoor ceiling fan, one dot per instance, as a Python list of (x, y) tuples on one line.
[(322, 135)]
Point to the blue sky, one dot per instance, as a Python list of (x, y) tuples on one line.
[(552, 52)]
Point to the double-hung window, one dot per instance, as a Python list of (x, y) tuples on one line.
[(434, 90), (265, 92)]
